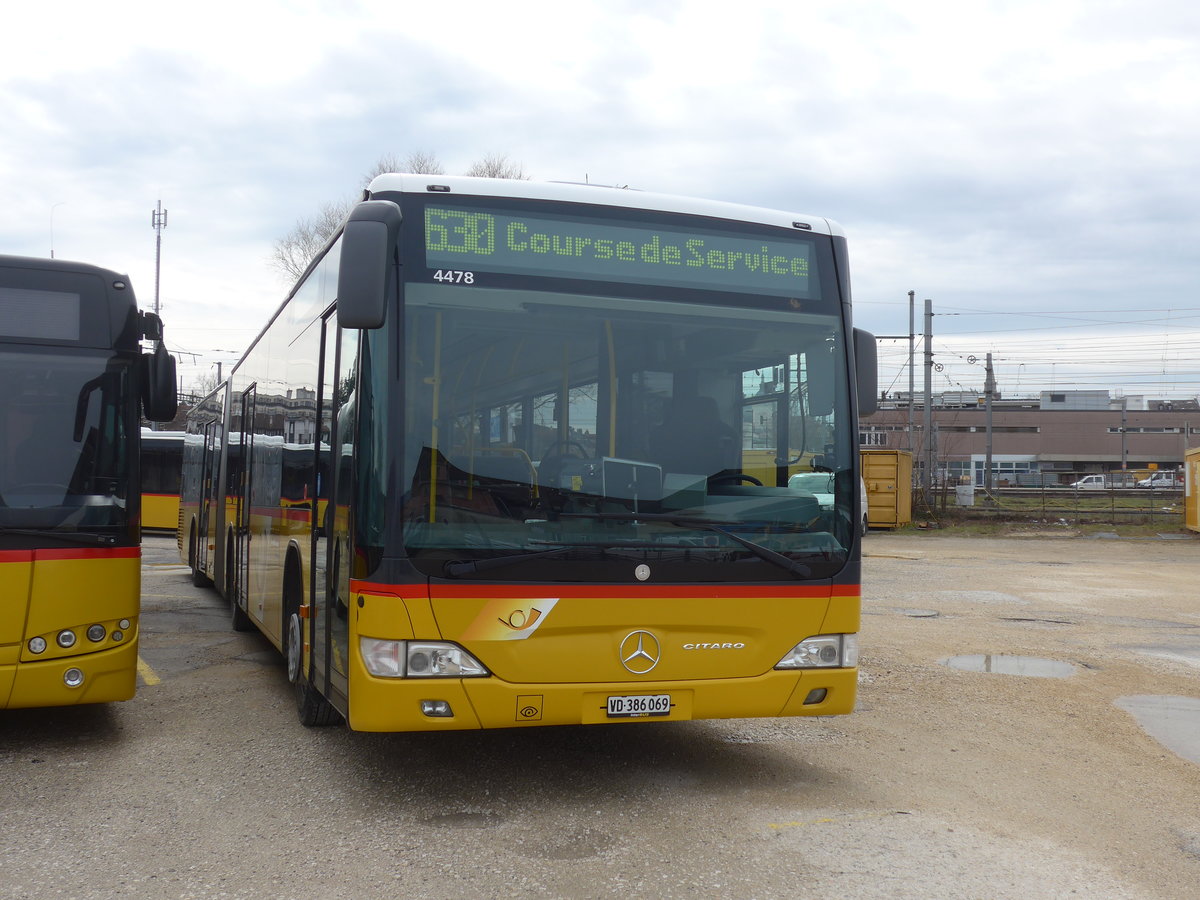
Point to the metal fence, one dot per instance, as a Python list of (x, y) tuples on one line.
[(1112, 500)]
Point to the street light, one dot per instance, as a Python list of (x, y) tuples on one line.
[(52, 208)]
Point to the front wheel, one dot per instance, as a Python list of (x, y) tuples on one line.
[(199, 578), (238, 620), (313, 709)]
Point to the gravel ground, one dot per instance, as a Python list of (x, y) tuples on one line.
[(944, 783)]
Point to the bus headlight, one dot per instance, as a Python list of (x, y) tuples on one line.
[(418, 659), (37, 645), (442, 660), (825, 651), (66, 638), (96, 633)]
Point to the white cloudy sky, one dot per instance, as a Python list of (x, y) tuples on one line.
[(1030, 166)]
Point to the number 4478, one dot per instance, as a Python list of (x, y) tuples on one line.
[(454, 276)]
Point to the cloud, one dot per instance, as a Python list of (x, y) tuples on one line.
[(1006, 157)]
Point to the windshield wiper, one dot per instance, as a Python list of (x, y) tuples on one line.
[(798, 569), (75, 537), (470, 567)]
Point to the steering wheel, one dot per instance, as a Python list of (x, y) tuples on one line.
[(734, 477), (552, 459)]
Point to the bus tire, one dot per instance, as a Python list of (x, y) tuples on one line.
[(312, 708), (199, 579), (238, 620)]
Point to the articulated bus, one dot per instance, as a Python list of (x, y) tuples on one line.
[(517, 454), (74, 377), (162, 459)]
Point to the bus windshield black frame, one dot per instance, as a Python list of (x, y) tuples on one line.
[(560, 427), (68, 457)]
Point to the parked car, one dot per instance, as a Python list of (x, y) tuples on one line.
[(1168, 480), (1091, 483), (820, 485)]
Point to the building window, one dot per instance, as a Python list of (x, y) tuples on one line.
[(1145, 430)]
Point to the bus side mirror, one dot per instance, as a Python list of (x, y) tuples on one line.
[(368, 242), (866, 370), (160, 394)]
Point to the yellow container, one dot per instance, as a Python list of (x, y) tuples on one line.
[(888, 477)]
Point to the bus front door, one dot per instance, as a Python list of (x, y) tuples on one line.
[(239, 566), (209, 482), (332, 551)]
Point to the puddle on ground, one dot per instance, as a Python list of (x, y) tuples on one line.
[(1172, 721), (1030, 666), (1187, 654)]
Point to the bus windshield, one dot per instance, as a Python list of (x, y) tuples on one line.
[(65, 464), (555, 434)]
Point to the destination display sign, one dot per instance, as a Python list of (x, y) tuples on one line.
[(45, 315), (461, 243)]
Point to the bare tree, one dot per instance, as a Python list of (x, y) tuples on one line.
[(417, 162), (296, 249), (497, 165), (204, 384)]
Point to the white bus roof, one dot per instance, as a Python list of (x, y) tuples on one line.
[(151, 435), (603, 196)]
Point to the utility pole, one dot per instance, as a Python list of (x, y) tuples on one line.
[(927, 476), (52, 209), (989, 391), (912, 376), (158, 221), (1124, 431)]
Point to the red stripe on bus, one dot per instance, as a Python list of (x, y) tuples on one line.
[(584, 591), (44, 553), (290, 514)]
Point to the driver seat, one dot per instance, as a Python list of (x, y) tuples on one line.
[(694, 439)]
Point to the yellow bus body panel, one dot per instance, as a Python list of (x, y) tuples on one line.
[(722, 669), (160, 511), (48, 591)]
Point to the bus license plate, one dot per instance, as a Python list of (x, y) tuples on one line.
[(639, 705)]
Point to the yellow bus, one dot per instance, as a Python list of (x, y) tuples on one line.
[(515, 454), (162, 459), (74, 378)]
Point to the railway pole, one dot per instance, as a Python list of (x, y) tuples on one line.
[(158, 221)]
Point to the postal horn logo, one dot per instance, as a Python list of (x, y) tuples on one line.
[(640, 652)]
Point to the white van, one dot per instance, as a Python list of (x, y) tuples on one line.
[(1170, 480), (1091, 483)]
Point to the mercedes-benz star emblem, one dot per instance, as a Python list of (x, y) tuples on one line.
[(639, 652)]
